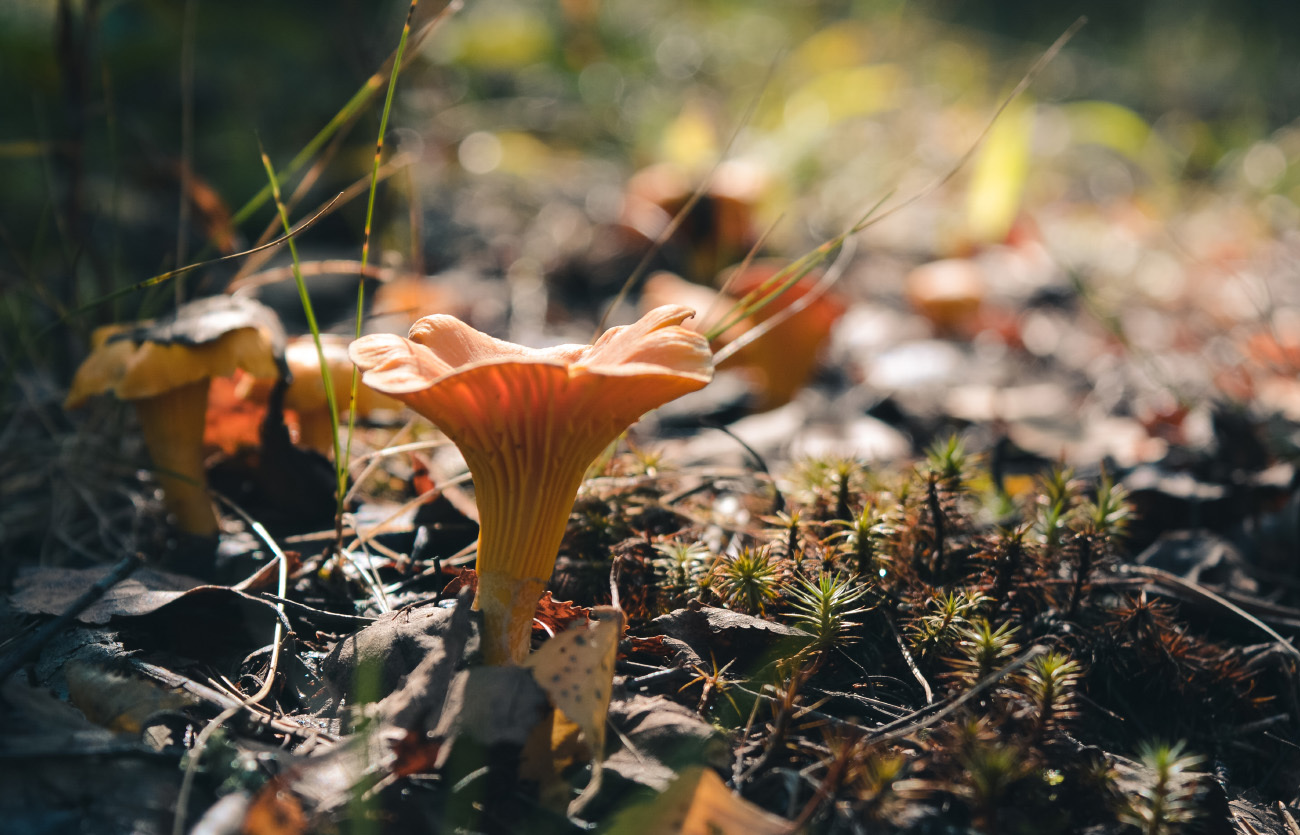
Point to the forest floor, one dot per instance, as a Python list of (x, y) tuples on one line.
[(999, 534)]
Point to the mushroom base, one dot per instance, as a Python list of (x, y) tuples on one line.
[(172, 425), (508, 605)]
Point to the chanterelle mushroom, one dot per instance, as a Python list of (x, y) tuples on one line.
[(163, 367), (306, 394), (529, 422)]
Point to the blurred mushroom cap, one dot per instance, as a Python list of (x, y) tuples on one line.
[(209, 337)]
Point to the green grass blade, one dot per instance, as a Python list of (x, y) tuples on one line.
[(365, 246), (354, 106), (305, 297)]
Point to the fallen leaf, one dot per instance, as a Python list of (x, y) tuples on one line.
[(461, 578), (558, 615), (699, 803), (722, 634), (118, 701), (375, 661), (275, 811), (576, 670), (51, 591)]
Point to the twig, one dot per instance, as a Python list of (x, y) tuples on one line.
[(1287, 818), (364, 537), (117, 574), (216, 698), (912, 724), (170, 274), (824, 284), (1161, 576), (327, 266), (678, 219), (909, 660), (372, 462)]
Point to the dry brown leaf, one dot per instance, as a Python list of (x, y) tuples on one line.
[(275, 811)]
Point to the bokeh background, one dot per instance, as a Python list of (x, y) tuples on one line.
[(1154, 156)]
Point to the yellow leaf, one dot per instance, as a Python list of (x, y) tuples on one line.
[(835, 96), (699, 803), (998, 179), (1110, 125), (690, 140)]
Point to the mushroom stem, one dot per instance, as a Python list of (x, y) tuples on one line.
[(316, 430), (508, 606), (521, 527), (172, 426)]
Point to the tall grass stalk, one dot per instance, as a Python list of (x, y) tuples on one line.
[(353, 108), (365, 256), (305, 297)]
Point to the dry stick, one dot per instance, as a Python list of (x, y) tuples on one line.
[(300, 191), (814, 293), (911, 724), (870, 219), (372, 461), (907, 659), (117, 574), (364, 537), (105, 524), (212, 696), (389, 168), (391, 553), (1162, 576), (371, 580), (328, 266), (170, 274), (1282, 812), (413, 446), (191, 766), (1043, 60), (736, 273)]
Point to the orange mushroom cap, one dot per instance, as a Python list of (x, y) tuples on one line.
[(529, 422)]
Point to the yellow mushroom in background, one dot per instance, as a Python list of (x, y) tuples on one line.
[(306, 394), (163, 368), (529, 422)]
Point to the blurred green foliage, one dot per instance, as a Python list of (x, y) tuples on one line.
[(91, 140)]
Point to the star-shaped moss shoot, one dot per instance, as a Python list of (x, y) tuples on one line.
[(529, 422)]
